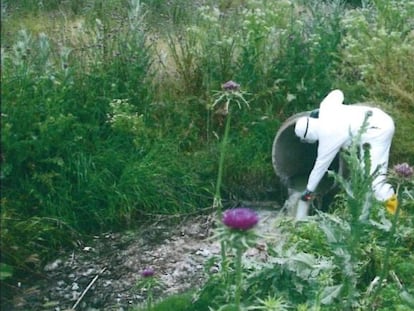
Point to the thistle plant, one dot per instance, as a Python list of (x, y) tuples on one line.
[(402, 176), (404, 172), (230, 94), (237, 234), (271, 304), (345, 235), (148, 283)]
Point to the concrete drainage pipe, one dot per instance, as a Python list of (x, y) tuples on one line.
[(293, 161)]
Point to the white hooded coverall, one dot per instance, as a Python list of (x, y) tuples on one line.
[(334, 128)]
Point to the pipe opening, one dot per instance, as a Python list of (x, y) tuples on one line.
[(293, 160)]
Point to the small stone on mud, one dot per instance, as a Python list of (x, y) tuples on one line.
[(53, 265)]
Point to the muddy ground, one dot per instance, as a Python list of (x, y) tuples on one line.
[(103, 275)]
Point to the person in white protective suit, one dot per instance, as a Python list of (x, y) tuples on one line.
[(333, 129)]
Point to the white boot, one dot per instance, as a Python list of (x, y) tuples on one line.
[(302, 210)]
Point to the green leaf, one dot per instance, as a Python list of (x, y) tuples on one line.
[(384, 225), (6, 271), (329, 293), (304, 258), (407, 298)]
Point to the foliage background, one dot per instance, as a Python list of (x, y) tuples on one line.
[(105, 115)]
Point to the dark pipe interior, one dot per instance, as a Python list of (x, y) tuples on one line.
[(294, 160)]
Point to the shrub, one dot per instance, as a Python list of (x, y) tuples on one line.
[(377, 62)]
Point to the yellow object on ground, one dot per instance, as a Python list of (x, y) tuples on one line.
[(392, 204)]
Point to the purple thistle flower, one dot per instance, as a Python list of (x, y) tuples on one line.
[(230, 86), (148, 272), (403, 170), (241, 218)]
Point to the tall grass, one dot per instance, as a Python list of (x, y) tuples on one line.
[(285, 61), (66, 167), (377, 62), (105, 115)]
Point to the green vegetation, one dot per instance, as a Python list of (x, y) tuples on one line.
[(355, 258), (106, 114)]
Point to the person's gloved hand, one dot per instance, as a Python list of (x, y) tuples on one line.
[(314, 114), (306, 195), (392, 204)]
